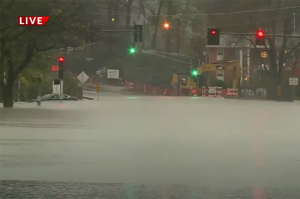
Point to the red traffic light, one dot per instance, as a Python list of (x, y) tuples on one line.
[(213, 32), (61, 59), (260, 33)]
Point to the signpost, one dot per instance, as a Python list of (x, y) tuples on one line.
[(293, 81), (82, 77), (98, 89), (112, 74)]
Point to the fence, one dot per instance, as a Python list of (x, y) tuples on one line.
[(156, 90)]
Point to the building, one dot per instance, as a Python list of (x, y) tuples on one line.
[(250, 57)]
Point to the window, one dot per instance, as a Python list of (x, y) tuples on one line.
[(220, 75), (264, 54), (220, 55)]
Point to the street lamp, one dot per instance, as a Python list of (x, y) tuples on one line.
[(166, 25)]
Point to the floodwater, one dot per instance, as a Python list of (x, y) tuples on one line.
[(159, 147)]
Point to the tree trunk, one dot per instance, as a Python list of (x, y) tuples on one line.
[(128, 13), (156, 25), (8, 95)]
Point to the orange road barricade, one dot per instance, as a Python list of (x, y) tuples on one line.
[(232, 92)]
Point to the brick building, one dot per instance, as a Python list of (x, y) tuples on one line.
[(250, 58)]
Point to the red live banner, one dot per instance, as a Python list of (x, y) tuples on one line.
[(55, 68), (32, 20)]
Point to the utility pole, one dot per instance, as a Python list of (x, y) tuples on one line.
[(19, 89), (39, 91), (178, 36), (294, 14), (191, 80)]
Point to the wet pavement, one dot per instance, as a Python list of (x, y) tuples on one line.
[(150, 147)]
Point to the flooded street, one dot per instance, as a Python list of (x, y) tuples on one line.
[(151, 147)]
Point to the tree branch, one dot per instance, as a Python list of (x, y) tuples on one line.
[(249, 38), (15, 37), (10, 4), (38, 50), (291, 51), (29, 55)]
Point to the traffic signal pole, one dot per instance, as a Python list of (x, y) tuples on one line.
[(275, 35)]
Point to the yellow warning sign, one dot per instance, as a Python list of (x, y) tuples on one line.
[(98, 87)]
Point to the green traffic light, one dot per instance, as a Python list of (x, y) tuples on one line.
[(195, 73), (132, 50)]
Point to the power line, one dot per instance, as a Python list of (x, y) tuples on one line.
[(199, 14), (171, 58)]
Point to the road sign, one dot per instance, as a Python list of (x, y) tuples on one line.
[(278, 90), (55, 68), (112, 74), (98, 87), (293, 81), (57, 88), (184, 80), (82, 77)]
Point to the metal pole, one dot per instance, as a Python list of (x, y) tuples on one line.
[(19, 88), (191, 81), (60, 93), (294, 14), (178, 39), (39, 94), (180, 87), (293, 92), (197, 86)]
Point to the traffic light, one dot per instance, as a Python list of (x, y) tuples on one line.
[(138, 33), (213, 36), (132, 50), (260, 38), (166, 25), (61, 67), (195, 72)]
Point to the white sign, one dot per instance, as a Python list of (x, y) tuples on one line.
[(112, 74), (82, 77), (212, 90), (98, 72), (293, 81), (56, 88)]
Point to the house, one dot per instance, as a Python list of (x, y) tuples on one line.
[(232, 48)]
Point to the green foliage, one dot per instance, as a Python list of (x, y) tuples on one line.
[(29, 87), (146, 68)]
